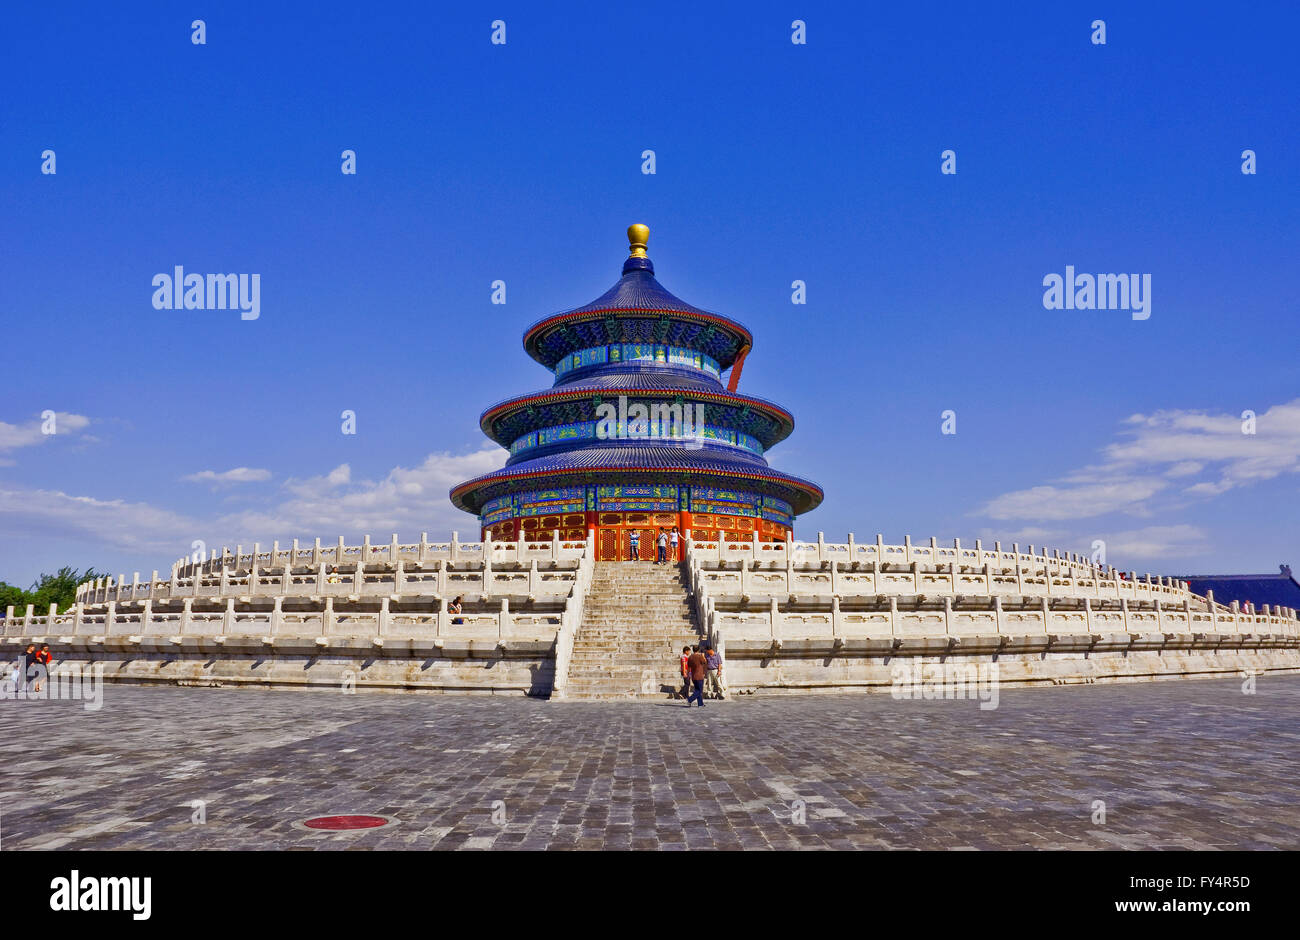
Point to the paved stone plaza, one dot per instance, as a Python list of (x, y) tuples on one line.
[(1183, 764)]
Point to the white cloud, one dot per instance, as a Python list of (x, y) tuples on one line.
[(1136, 474), (112, 523), (237, 475), (1074, 502), (39, 430), (1157, 542), (406, 501)]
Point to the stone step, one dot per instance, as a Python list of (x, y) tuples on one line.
[(636, 619)]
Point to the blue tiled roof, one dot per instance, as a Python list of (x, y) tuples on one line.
[(1259, 589), (639, 290), (746, 413), (644, 302), (647, 378)]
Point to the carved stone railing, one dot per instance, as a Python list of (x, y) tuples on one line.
[(381, 599), (572, 621), (518, 569), (753, 591)]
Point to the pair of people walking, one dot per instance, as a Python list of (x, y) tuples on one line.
[(35, 667), (701, 669)]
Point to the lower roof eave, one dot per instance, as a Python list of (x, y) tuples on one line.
[(807, 495)]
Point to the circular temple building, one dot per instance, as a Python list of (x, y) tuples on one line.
[(637, 432)]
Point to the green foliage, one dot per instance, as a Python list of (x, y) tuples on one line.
[(58, 588)]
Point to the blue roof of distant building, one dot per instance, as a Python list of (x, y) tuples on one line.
[(1279, 589)]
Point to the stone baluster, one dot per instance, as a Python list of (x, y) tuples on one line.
[(277, 616)]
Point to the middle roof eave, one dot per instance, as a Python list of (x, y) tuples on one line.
[(647, 386)]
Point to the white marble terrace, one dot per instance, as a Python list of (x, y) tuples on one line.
[(754, 591)]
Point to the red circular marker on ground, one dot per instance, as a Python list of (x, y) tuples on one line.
[(339, 823)]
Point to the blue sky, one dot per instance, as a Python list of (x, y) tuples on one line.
[(775, 162)]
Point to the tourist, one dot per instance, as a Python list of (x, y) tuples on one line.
[(42, 665), (714, 685), (698, 666), (672, 544), (662, 557), (334, 576), (454, 608), (636, 544), (686, 673), (29, 660)]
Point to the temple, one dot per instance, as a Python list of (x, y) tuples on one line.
[(637, 431)]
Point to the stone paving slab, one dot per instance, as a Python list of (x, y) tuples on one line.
[(1180, 765)]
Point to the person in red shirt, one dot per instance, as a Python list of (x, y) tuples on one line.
[(686, 673), (699, 667), (43, 660)]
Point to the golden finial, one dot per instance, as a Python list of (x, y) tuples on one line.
[(637, 236)]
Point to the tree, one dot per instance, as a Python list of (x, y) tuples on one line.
[(59, 588)]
